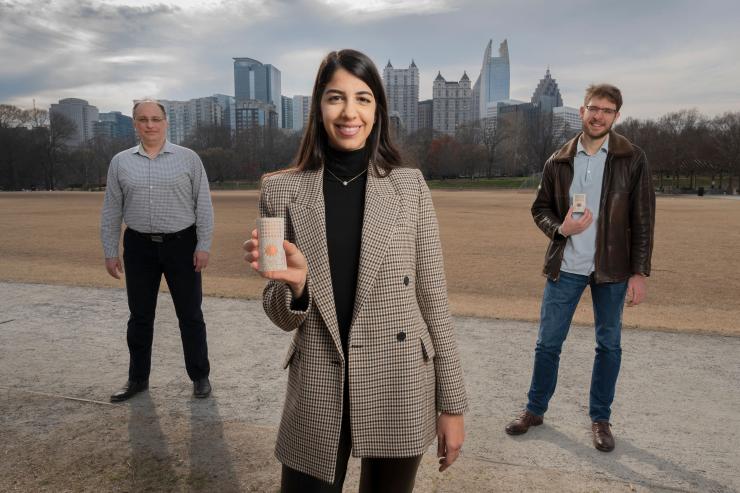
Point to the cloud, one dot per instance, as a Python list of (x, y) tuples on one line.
[(378, 9), (111, 52)]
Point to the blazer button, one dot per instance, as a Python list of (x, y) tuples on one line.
[(405, 280), (401, 336)]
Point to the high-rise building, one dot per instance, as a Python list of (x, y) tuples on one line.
[(475, 110), (115, 126), (566, 123), (228, 106), (251, 113), (256, 81), (451, 103), (494, 79), (547, 95), (179, 120), (287, 109), (301, 111), (395, 124), (81, 114), (402, 91), (425, 114), (184, 117), (492, 112)]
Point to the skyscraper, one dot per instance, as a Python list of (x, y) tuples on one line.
[(425, 114), (451, 102), (566, 123), (228, 106), (301, 111), (256, 81), (402, 90), (252, 113), (115, 126), (494, 79), (79, 112), (547, 95), (287, 109), (184, 117)]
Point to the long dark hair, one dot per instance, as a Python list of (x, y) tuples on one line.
[(381, 150)]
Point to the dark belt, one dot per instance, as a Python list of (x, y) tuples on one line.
[(162, 237)]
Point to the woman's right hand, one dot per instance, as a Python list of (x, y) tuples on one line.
[(294, 276)]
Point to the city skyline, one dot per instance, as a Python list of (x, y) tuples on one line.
[(667, 57)]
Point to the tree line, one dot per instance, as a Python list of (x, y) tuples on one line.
[(34, 153), (688, 144)]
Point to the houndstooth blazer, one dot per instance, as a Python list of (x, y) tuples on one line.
[(403, 360)]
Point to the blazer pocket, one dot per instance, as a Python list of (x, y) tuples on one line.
[(427, 348), (292, 353)]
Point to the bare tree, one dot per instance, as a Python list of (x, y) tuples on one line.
[(726, 139), (415, 148), (209, 136), (61, 129), (471, 158), (541, 140), (492, 141)]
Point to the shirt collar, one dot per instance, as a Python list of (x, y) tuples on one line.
[(168, 148), (604, 146)]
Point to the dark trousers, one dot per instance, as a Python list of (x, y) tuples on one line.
[(377, 475), (144, 263)]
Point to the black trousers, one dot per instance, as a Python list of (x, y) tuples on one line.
[(144, 263), (377, 475)]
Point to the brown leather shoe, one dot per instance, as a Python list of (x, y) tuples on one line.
[(521, 424), (603, 438)]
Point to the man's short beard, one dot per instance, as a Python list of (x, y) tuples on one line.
[(602, 134)]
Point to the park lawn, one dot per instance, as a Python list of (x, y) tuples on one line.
[(493, 254)]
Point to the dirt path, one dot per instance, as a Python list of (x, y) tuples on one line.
[(62, 352)]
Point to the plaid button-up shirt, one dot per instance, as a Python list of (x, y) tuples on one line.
[(162, 195)]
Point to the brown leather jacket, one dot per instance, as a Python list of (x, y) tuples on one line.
[(624, 235)]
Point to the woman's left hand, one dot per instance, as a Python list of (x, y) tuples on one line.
[(450, 437)]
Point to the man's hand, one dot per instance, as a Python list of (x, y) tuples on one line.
[(450, 437), (636, 290), (297, 272), (113, 266), (200, 260), (572, 226)]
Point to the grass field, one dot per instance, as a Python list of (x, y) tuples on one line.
[(493, 254)]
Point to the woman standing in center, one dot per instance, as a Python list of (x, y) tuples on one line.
[(373, 363)]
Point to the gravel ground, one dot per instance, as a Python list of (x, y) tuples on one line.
[(63, 351)]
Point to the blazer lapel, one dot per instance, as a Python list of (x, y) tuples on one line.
[(381, 210), (308, 219)]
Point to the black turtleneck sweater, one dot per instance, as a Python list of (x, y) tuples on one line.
[(345, 208)]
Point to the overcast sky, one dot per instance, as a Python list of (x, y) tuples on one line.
[(665, 55)]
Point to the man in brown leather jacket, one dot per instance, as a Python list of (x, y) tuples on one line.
[(596, 203)]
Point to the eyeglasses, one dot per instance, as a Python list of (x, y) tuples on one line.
[(155, 119), (606, 111)]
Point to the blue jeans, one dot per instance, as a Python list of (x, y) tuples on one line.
[(558, 305)]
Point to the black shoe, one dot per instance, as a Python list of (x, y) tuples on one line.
[(201, 388), (129, 390)]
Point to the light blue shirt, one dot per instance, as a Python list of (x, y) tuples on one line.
[(588, 175)]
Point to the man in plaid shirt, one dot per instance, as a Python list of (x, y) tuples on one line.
[(160, 190)]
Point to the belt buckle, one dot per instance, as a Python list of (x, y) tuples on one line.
[(157, 238)]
